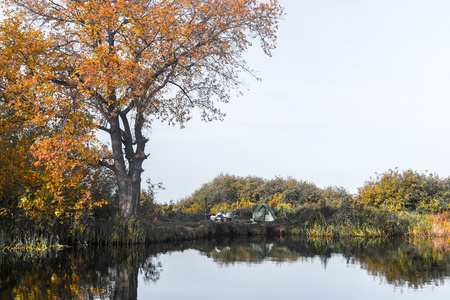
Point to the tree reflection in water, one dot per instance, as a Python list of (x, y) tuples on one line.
[(103, 273), (113, 272)]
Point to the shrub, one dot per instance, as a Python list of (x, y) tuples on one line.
[(229, 193), (406, 191), (248, 191)]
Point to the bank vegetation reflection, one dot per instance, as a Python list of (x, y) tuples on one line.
[(112, 272), (401, 262)]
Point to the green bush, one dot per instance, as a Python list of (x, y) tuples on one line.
[(406, 191), (230, 189)]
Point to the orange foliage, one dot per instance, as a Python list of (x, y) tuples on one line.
[(47, 140), (121, 64), (440, 224)]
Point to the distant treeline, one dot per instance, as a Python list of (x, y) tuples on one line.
[(227, 192), (393, 191)]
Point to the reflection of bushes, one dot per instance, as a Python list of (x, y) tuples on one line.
[(92, 271), (400, 262), (415, 264)]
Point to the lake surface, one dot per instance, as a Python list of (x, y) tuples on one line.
[(252, 269)]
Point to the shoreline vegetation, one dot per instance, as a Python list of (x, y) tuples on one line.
[(395, 203)]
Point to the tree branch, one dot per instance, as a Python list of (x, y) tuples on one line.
[(100, 127), (182, 90), (106, 165)]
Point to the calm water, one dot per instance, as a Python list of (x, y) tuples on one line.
[(302, 269)]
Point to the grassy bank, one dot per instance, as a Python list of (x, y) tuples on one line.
[(119, 232), (317, 221)]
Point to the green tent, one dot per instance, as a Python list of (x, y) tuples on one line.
[(264, 212)]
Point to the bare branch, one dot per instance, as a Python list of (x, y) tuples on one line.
[(104, 129)]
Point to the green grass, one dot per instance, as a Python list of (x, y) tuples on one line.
[(32, 243)]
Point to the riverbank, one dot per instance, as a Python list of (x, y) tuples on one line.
[(394, 204), (318, 221)]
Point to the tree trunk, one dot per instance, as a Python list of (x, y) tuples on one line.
[(129, 193), (128, 179), (130, 190), (126, 283)]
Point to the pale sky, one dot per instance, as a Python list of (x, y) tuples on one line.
[(354, 87)]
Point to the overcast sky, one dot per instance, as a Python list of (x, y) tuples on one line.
[(355, 87)]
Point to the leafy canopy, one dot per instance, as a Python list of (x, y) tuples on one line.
[(160, 58), (118, 65), (48, 146)]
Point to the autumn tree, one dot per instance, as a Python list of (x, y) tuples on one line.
[(47, 143), (126, 63)]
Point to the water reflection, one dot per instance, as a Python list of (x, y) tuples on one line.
[(105, 273), (113, 272), (400, 262)]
